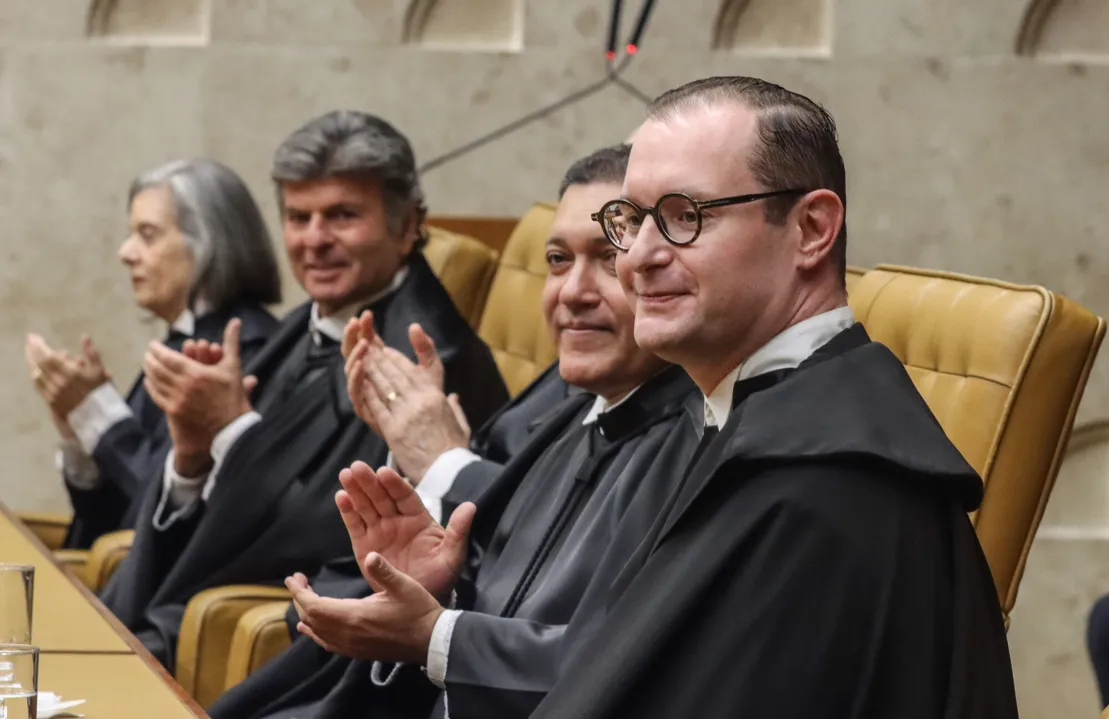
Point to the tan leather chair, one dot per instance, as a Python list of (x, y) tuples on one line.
[(207, 630), (260, 635), (1003, 367), (49, 527), (104, 557), (513, 324), (465, 266)]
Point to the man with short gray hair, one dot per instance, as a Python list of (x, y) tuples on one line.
[(246, 494)]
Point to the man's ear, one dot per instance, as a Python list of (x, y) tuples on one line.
[(819, 217), (411, 232)]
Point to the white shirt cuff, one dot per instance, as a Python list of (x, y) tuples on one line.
[(438, 651), (440, 477), (97, 413), (79, 469), (180, 493)]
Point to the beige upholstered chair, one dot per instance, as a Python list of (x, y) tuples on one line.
[(513, 324), (1003, 367)]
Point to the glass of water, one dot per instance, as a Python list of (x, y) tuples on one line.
[(17, 593), (19, 681)]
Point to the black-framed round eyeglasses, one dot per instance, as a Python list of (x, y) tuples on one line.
[(677, 215)]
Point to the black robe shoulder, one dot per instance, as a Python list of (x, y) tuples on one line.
[(817, 561)]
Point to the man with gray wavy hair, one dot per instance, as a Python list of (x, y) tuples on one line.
[(246, 494)]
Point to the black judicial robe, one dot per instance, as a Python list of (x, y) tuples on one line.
[(545, 532), (539, 535), (133, 450), (305, 673), (817, 562), (272, 511)]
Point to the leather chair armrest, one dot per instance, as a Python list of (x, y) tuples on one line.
[(260, 636), (104, 557), (49, 527), (206, 633), (76, 561)]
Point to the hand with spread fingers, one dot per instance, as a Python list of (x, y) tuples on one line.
[(61, 379), (406, 403), (199, 396), (394, 624), (358, 338), (384, 515)]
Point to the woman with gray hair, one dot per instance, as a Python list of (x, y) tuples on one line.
[(198, 254)]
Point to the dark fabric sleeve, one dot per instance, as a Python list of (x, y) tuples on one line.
[(487, 674), (788, 628), (146, 565), (300, 675), (95, 512), (473, 375), (802, 591), (469, 484), (128, 456)]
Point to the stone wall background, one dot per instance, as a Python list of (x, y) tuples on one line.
[(974, 134)]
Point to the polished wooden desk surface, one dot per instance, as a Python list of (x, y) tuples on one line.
[(85, 653), (114, 686), (63, 621)]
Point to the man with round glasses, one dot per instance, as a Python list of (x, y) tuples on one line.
[(816, 559)]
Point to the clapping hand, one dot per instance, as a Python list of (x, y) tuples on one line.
[(61, 379), (404, 554), (384, 515), (403, 401)]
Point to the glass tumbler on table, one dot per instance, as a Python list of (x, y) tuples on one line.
[(19, 678), (17, 592)]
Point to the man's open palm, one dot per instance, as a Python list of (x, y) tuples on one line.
[(383, 514)]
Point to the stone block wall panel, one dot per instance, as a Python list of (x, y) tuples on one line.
[(973, 134), (149, 21)]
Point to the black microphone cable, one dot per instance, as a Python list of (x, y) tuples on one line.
[(612, 76)]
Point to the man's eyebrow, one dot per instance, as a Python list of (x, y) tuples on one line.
[(696, 194)]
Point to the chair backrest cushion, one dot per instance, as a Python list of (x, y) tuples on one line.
[(465, 266), (513, 324), (1003, 367)]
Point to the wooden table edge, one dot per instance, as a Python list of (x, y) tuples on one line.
[(124, 633)]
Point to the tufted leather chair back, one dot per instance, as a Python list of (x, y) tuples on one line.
[(513, 324), (1003, 367), (465, 266)]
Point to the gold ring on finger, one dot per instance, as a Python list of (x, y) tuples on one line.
[(390, 397), (36, 375)]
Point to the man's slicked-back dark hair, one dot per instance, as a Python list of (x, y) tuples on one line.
[(797, 143), (609, 164)]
